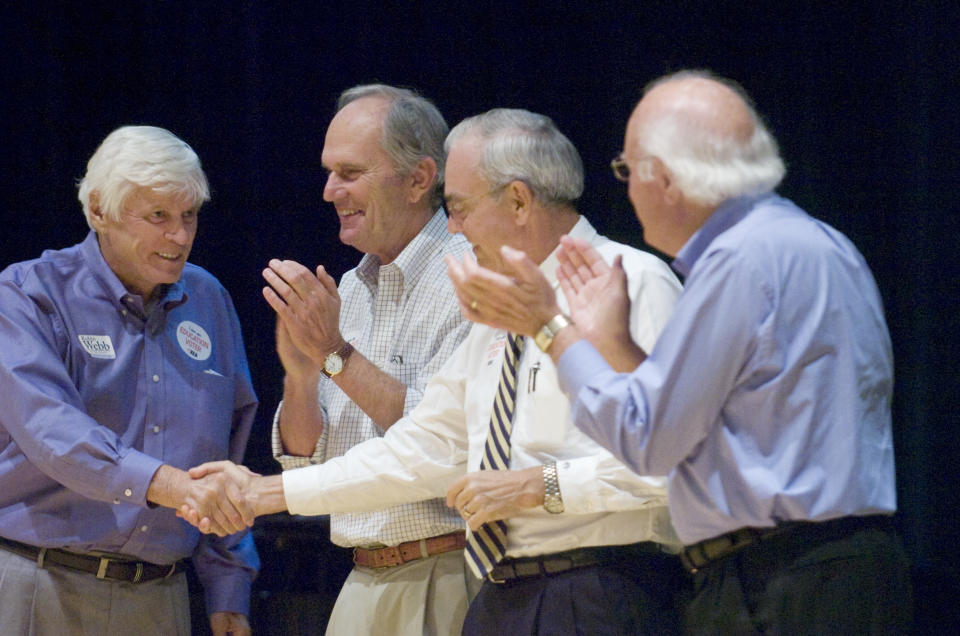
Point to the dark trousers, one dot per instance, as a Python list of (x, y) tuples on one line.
[(801, 582), (632, 596)]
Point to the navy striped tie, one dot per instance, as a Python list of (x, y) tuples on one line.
[(487, 545)]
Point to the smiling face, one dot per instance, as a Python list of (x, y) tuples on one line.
[(476, 208), (374, 203), (150, 243)]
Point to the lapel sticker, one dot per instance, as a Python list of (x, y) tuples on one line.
[(194, 340), (98, 346), (495, 347)]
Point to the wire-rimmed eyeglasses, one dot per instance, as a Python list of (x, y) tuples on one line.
[(621, 170)]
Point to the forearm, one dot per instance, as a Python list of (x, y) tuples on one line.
[(378, 394), (168, 487), (621, 352), (266, 495), (301, 419)]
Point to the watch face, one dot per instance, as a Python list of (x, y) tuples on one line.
[(553, 504), (333, 364)]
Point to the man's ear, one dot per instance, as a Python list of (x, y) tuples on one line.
[(521, 200), (97, 215), (668, 185), (422, 179)]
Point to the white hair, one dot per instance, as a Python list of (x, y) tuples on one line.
[(711, 165), (141, 156), (524, 146)]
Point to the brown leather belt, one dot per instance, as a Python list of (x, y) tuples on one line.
[(409, 551), (103, 567), (709, 551)]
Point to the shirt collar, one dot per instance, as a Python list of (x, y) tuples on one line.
[(170, 295), (727, 214), (413, 259), (582, 229)]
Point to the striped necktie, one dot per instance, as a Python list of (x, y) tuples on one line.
[(487, 545)]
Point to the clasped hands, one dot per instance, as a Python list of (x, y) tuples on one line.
[(220, 498)]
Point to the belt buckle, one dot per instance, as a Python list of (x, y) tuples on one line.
[(102, 569), (493, 579)]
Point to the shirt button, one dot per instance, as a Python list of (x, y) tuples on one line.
[(128, 492), (116, 501), (143, 528), (156, 378), (156, 429), (123, 312)]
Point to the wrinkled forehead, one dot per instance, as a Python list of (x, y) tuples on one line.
[(463, 163), (169, 196), (355, 134)]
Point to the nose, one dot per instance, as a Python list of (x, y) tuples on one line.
[(179, 233), (332, 188)]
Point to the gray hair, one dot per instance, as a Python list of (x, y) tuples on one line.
[(710, 166), (141, 156), (413, 129), (524, 146)]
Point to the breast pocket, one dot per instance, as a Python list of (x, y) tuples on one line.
[(545, 409), (211, 411)]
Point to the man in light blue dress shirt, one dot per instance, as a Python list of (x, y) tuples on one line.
[(121, 366), (767, 397)]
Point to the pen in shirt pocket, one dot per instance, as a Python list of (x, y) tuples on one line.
[(532, 377)]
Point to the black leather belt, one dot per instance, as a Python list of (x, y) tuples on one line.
[(712, 550), (549, 564), (103, 567)]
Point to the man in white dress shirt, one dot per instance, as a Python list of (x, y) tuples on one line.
[(587, 541)]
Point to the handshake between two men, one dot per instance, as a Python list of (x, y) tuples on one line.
[(227, 498)]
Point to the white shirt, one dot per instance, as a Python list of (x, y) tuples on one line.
[(421, 455), (404, 318)]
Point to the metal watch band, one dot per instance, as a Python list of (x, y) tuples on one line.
[(552, 501), (549, 331)]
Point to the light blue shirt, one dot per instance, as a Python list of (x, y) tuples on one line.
[(98, 392), (767, 396)]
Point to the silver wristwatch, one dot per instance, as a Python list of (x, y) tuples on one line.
[(552, 501)]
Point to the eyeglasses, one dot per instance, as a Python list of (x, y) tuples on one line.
[(621, 170), (457, 209)]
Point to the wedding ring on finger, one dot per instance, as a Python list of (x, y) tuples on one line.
[(473, 304)]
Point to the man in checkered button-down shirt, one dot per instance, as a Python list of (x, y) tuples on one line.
[(357, 358)]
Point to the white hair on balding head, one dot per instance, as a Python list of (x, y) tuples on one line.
[(710, 162), (141, 156), (522, 146)]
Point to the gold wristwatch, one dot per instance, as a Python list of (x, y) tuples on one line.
[(333, 363), (549, 331)]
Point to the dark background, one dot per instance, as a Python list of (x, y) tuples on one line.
[(862, 98)]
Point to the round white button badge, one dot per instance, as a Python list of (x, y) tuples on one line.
[(194, 340)]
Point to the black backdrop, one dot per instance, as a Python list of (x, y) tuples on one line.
[(863, 100)]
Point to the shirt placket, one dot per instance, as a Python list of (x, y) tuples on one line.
[(388, 313)]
